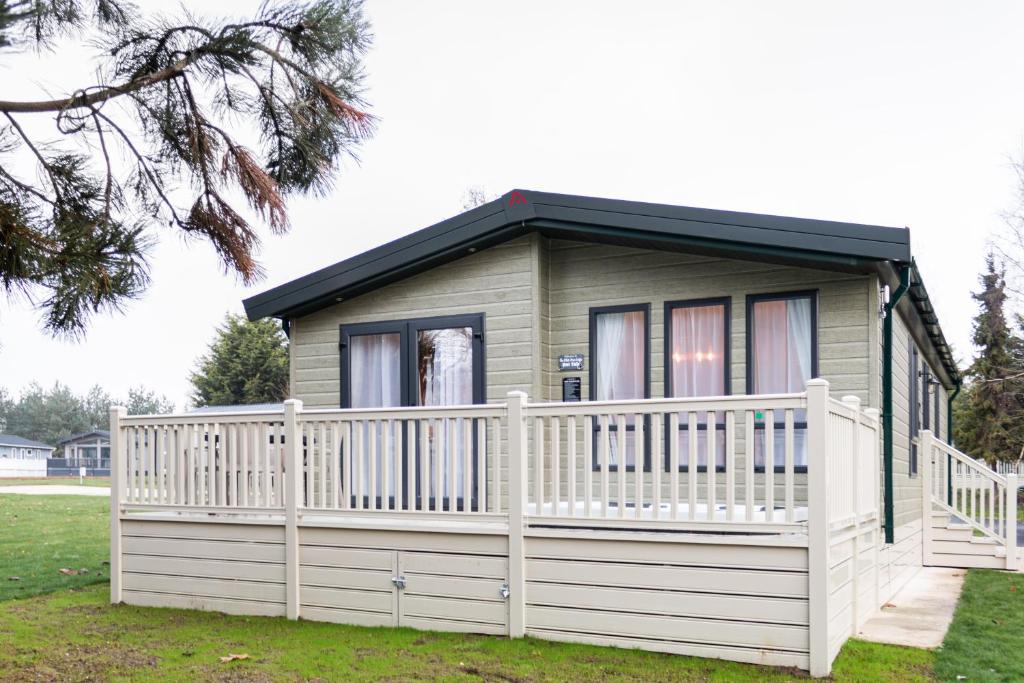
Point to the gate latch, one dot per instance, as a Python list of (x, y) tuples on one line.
[(399, 581), (504, 592)]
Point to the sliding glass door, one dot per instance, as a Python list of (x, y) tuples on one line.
[(422, 362)]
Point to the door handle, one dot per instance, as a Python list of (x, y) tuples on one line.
[(399, 582)]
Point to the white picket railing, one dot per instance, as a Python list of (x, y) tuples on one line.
[(852, 461), (632, 459), (612, 463), (970, 490), (414, 459), (229, 460)]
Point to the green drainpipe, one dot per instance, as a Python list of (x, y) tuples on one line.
[(887, 398), (949, 440)]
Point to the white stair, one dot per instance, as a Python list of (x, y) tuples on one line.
[(956, 544)]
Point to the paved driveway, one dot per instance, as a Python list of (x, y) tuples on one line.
[(59, 490)]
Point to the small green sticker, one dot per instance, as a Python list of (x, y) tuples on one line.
[(758, 415)]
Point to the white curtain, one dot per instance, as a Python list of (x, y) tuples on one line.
[(445, 378), (698, 369), (782, 363), (798, 320), (621, 350), (375, 377)]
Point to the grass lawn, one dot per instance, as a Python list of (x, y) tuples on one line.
[(986, 639), (54, 481), (76, 635), (72, 633), (40, 535)]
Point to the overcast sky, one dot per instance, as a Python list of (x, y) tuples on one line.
[(888, 113)]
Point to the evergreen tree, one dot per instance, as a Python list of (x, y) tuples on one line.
[(989, 425), (247, 363), (142, 401), (48, 415), (159, 139)]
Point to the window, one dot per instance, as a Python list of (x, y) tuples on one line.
[(424, 362), (782, 355), (619, 371), (697, 364), (914, 396)]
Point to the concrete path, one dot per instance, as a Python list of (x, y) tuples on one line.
[(918, 615), (57, 490)]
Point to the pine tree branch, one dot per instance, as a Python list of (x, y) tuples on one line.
[(104, 94)]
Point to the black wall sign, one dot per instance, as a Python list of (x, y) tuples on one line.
[(572, 388), (570, 361)]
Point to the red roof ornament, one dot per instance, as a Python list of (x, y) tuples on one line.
[(516, 198)]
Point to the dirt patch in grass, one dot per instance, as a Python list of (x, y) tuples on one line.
[(78, 662)]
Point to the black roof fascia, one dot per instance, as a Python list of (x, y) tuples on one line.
[(798, 240), (923, 323)]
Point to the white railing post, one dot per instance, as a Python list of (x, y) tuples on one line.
[(925, 448), (855, 465), (517, 483), (117, 484), (293, 489), (876, 468), (818, 526), (1010, 525)]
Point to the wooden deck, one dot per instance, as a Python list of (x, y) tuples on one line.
[(577, 522)]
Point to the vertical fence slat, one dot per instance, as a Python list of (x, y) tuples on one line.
[(570, 470), (556, 465), (691, 464), (538, 465), (385, 462), (466, 424), (424, 428), (730, 465), (321, 446), (657, 464), (769, 465), (789, 475), (202, 434), (604, 447), (620, 460), (748, 483), (711, 420), (496, 464), (588, 465), (402, 472), (673, 473), (480, 427), (639, 457)]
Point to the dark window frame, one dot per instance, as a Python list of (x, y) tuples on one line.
[(595, 311), (752, 300), (408, 329), (670, 306)]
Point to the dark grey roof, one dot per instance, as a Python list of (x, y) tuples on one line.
[(795, 241), (21, 442), (102, 433)]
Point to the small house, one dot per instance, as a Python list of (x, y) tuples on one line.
[(21, 457), (90, 450), (685, 430)]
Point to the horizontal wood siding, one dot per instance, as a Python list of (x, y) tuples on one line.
[(585, 275), (233, 568), (346, 577), (497, 282), (666, 597)]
